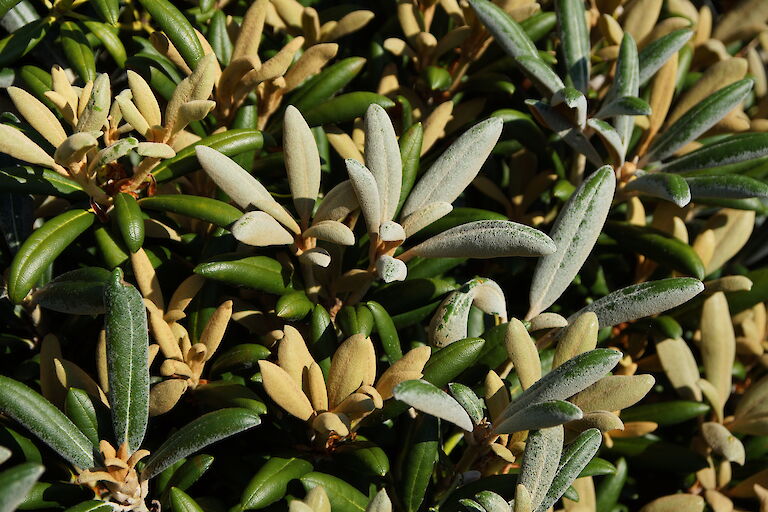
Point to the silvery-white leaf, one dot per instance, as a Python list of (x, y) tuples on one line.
[(547, 321), (428, 398), (574, 41), (507, 33), (367, 193), (382, 157), (485, 239), (337, 203), (115, 151), (669, 187), (155, 150), (468, 400), (425, 216), (391, 231), (574, 234), (449, 323), (566, 380), (74, 148), (391, 269), (574, 100), (96, 111), (540, 415), (241, 187), (540, 462), (316, 256), (331, 231), (573, 461), (455, 169), (641, 300), (302, 162), (260, 229), (542, 76), (723, 442), (626, 83)]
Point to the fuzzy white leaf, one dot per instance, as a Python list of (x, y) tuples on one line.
[(428, 398), (337, 203), (155, 150), (331, 231), (540, 462), (382, 157), (425, 216), (367, 192), (575, 232), (456, 167), (449, 323), (391, 231), (317, 256), (485, 239), (241, 187), (390, 269), (302, 162), (260, 229)]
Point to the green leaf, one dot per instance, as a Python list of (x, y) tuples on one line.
[(129, 221), (739, 301), (23, 40), (540, 462), (187, 473), (219, 37), (364, 457), (420, 456), (91, 506), (566, 380), (229, 143), (427, 398), (35, 180), (344, 108), (178, 29), (293, 306), (322, 338), (598, 467), (731, 186), (669, 187), (109, 38), (609, 489), (410, 151), (574, 41), (210, 210), (269, 484), (574, 234), (77, 50), (658, 246), (574, 460), (57, 495), (343, 497), (625, 106), (41, 249), (125, 324), (722, 156), (670, 412), (77, 292), (109, 10), (700, 118), (258, 272), (507, 33), (658, 52), (468, 400), (611, 139), (539, 25), (437, 78), (449, 362), (16, 482), (197, 434), (111, 249), (79, 408), (245, 356), (330, 81), (641, 300), (45, 421), (626, 83), (390, 341), (540, 415), (182, 502)]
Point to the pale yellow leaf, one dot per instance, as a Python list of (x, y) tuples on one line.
[(284, 391)]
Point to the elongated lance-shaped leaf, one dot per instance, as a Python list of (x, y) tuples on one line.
[(45, 421), (669, 187), (15, 484), (658, 52), (456, 167), (730, 186), (574, 39), (485, 239), (741, 148), (540, 461), (699, 119), (382, 157), (302, 162), (566, 380), (468, 400), (641, 300), (367, 192), (428, 398), (507, 33), (244, 189), (574, 460), (196, 435), (542, 76), (574, 234), (626, 84), (611, 140), (125, 324), (538, 416)]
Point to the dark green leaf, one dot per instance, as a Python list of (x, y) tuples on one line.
[(204, 208), (344, 108), (178, 29), (257, 272), (343, 497)]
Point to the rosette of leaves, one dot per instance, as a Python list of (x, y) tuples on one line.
[(334, 405), (79, 430)]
